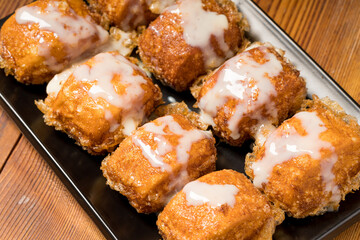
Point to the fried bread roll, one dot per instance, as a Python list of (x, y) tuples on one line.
[(310, 162), (40, 39), (158, 6), (124, 14), (157, 160), (219, 205), (249, 93), (101, 102), (190, 38)]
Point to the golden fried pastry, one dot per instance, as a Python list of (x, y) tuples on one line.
[(190, 38), (158, 6), (124, 14), (182, 109), (219, 205), (253, 90), (157, 160), (310, 162), (101, 102), (40, 39)]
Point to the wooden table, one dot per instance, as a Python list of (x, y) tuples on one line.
[(34, 204)]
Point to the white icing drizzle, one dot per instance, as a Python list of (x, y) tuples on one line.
[(262, 131), (130, 123), (328, 177), (199, 193), (110, 118), (247, 81), (291, 144), (56, 83), (74, 31), (112, 44), (158, 6), (206, 118), (199, 25), (106, 66), (156, 156)]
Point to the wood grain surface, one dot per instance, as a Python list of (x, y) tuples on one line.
[(34, 204)]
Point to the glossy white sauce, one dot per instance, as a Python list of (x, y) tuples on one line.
[(156, 156), (199, 193), (112, 44), (113, 122), (74, 31), (158, 6), (199, 25), (206, 118), (132, 121), (328, 177), (262, 131), (186, 140), (290, 144), (247, 81), (106, 66), (55, 84)]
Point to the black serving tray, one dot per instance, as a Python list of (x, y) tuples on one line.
[(110, 211)]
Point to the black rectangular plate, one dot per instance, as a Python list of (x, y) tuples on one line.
[(110, 211)]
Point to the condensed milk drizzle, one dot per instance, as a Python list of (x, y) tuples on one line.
[(286, 144), (76, 32), (185, 141), (199, 25), (109, 66), (199, 193), (119, 45), (247, 81), (156, 156), (158, 6)]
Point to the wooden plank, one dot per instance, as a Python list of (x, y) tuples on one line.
[(328, 31), (9, 135), (352, 233), (8, 7), (34, 204), (336, 47)]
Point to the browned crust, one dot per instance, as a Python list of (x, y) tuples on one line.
[(290, 88), (74, 112), (182, 109), (19, 44), (147, 187), (164, 51), (296, 185), (115, 12), (252, 216)]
